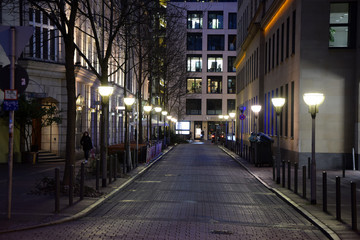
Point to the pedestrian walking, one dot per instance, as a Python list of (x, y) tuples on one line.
[(87, 145)]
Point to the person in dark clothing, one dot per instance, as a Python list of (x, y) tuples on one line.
[(87, 145)]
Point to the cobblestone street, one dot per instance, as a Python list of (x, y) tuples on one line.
[(195, 192)]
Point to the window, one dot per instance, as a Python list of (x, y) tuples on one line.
[(194, 63), (194, 41), (214, 84), (194, 20), (231, 85), (215, 63), (216, 42), (193, 106), (193, 85), (230, 105), (44, 42), (213, 106), (231, 61), (215, 20), (232, 20), (232, 43), (342, 20), (293, 32)]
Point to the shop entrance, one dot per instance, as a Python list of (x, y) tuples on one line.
[(198, 130)]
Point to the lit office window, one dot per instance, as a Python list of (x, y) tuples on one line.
[(194, 20), (193, 85), (215, 63), (215, 20), (194, 63), (214, 84), (231, 85), (340, 25)]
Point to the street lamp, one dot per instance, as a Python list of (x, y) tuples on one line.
[(105, 92), (164, 113), (147, 109), (256, 109), (129, 101), (158, 110), (169, 129), (232, 116), (278, 104), (313, 100), (226, 117), (242, 109), (221, 117)]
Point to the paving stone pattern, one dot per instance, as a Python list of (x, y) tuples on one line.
[(194, 192)]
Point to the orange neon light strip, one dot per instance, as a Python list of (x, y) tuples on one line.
[(278, 14), (241, 60)]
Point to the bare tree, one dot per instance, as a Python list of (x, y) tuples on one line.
[(63, 13)]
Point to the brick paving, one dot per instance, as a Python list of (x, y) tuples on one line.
[(194, 192)]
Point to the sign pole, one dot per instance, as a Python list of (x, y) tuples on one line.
[(11, 121)]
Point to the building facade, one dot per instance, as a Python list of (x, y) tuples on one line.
[(210, 55), (290, 47), (43, 59)]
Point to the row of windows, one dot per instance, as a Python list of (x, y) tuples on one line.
[(278, 46), (270, 119), (245, 19), (214, 42), (214, 85), (250, 71), (214, 63), (213, 106), (215, 20)]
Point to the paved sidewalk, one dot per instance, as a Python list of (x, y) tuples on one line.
[(31, 210), (335, 229)]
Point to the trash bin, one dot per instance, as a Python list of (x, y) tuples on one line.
[(263, 150)]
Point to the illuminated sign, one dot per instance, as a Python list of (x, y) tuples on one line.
[(183, 126)]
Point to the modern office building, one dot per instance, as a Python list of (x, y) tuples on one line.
[(287, 48), (210, 55)]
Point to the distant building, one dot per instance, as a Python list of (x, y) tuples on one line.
[(290, 47), (210, 56)]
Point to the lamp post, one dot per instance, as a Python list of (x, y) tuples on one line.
[(256, 109), (232, 116), (158, 110), (147, 109), (129, 101), (169, 129), (278, 104), (105, 92), (226, 117), (313, 100), (221, 117), (164, 113), (242, 109)]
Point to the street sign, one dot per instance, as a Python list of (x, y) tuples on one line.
[(10, 94), (242, 116), (11, 105)]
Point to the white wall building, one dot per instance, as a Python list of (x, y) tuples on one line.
[(210, 55)]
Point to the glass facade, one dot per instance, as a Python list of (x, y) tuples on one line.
[(216, 20), (194, 63), (215, 63)]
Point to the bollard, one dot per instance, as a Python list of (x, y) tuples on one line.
[(57, 190), (338, 199), (324, 175), (82, 180), (309, 168), (296, 169), (115, 166), (343, 167), (289, 175), (97, 173), (110, 168), (283, 173), (71, 186), (304, 181), (353, 206)]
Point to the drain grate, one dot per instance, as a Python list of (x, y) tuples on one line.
[(221, 232)]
